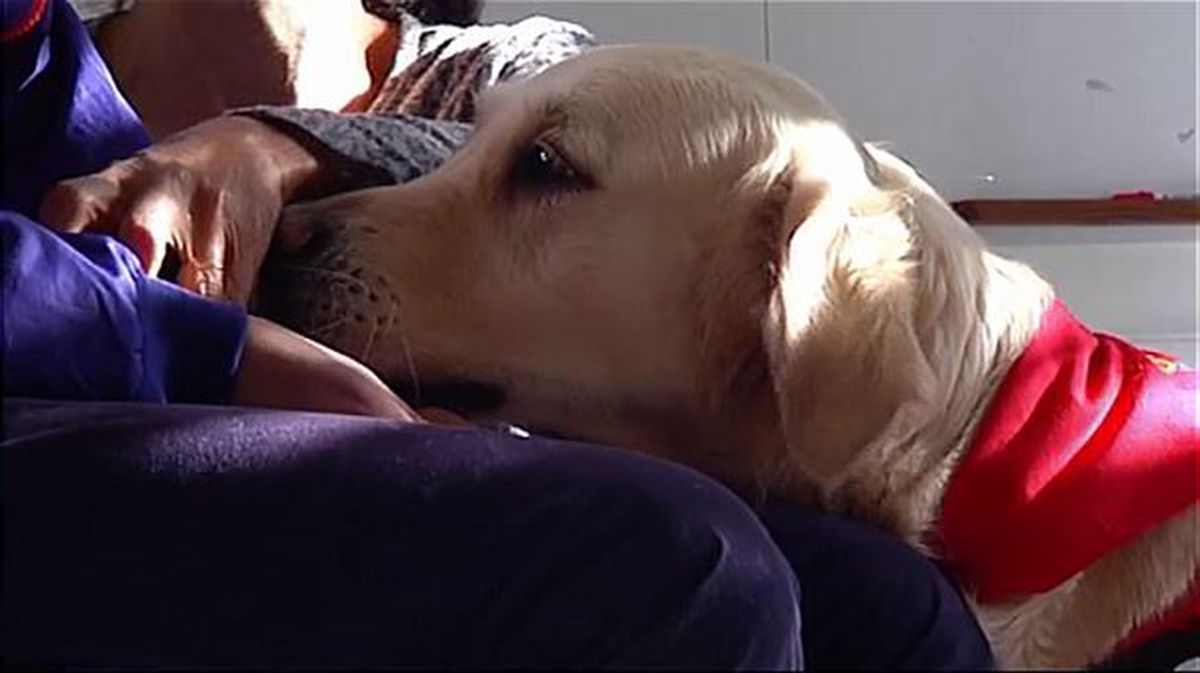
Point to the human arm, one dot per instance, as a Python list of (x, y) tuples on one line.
[(81, 321)]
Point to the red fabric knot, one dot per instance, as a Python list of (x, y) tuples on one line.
[(26, 23)]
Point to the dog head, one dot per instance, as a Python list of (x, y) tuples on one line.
[(663, 248)]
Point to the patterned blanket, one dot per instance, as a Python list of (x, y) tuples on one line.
[(441, 66), (440, 69)]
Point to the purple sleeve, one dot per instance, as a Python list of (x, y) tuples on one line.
[(62, 113), (81, 321)]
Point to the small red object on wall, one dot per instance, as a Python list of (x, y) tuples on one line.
[(1135, 194)]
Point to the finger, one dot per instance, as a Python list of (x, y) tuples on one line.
[(157, 219), (371, 396), (81, 204), (204, 256), (203, 277), (402, 412), (282, 369)]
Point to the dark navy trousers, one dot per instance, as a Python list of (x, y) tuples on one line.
[(142, 535)]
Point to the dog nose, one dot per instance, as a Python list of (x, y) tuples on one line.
[(296, 228)]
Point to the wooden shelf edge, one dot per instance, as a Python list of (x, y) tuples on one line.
[(1078, 211)]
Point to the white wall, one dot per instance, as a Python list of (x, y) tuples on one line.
[(965, 90), (988, 99), (1050, 98), (1139, 282)]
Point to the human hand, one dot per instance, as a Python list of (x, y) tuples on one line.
[(211, 193), (284, 370)]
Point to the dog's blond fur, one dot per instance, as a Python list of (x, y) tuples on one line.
[(739, 285)]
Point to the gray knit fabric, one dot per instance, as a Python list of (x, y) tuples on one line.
[(95, 12), (368, 150)]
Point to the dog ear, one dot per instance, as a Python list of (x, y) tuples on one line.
[(849, 373)]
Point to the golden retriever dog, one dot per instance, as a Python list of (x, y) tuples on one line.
[(675, 251)]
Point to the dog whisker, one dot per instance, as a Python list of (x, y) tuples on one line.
[(375, 330), (409, 363), (336, 275), (328, 327)]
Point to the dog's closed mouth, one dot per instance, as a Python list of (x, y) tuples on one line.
[(465, 398)]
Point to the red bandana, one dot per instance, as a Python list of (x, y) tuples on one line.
[(1089, 442)]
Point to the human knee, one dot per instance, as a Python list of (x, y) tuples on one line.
[(717, 590), (867, 586)]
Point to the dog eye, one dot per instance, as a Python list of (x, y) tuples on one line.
[(541, 166)]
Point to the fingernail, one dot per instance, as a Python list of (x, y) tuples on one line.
[(206, 287)]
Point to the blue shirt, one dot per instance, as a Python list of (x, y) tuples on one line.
[(80, 318)]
